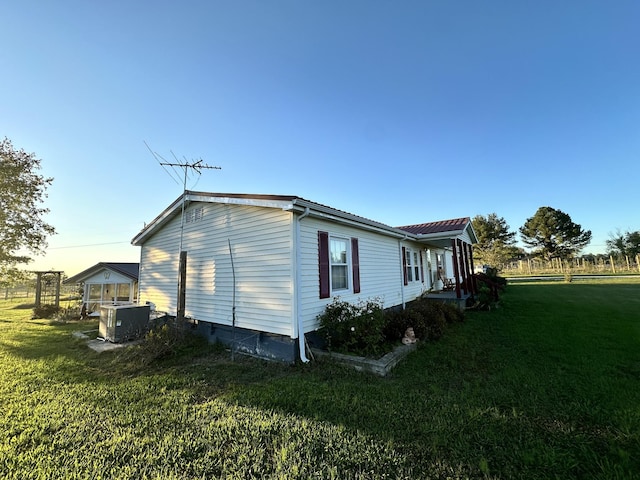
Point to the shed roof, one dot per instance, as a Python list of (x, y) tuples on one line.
[(130, 270)]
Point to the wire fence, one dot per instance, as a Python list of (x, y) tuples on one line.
[(556, 266), (27, 291)]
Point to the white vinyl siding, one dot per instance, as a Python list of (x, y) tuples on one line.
[(261, 242), (380, 260)]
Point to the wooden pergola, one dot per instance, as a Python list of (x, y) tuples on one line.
[(41, 278)]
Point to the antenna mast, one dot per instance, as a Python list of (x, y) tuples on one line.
[(196, 166)]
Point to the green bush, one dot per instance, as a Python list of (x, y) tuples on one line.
[(490, 284), (45, 311), (396, 324), (354, 328), (366, 329), (167, 340), (427, 319), (452, 314)]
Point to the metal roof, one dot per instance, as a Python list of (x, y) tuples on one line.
[(299, 205), (441, 226), (441, 232)]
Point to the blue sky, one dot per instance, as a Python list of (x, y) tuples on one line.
[(399, 111)]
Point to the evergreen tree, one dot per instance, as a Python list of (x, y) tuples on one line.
[(552, 234), (496, 244)]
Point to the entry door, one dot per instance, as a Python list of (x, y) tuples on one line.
[(99, 294)]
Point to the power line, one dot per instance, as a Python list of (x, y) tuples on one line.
[(86, 245)]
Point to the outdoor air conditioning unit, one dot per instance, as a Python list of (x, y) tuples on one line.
[(120, 323)]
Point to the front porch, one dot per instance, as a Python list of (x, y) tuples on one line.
[(451, 297)]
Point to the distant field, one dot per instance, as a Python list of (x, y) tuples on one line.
[(546, 386)]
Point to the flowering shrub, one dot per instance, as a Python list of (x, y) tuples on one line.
[(354, 328), (366, 329)]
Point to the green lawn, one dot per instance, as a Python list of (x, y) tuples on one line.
[(546, 386)]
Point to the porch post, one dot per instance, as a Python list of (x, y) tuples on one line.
[(456, 269), (474, 286), (467, 265), (463, 266), (57, 301), (38, 288)]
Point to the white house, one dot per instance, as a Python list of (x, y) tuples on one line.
[(107, 283), (258, 269)]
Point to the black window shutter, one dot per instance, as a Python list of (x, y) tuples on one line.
[(421, 267), (355, 261), (323, 264), (404, 266)]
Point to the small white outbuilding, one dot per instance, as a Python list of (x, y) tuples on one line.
[(107, 283)]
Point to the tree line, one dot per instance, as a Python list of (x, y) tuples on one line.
[(550, 235)]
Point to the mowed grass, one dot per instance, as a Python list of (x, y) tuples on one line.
[(546, 386)]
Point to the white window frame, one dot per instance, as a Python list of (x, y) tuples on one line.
[(412, 261), (346, 264)]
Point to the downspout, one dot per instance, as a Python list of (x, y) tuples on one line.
[(301, 345), (401, 270)]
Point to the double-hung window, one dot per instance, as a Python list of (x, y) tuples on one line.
[(338, 256), (409, 270), (411, 262), (339, 264)]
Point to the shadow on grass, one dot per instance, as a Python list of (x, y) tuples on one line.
[(503, 394), (24, 306), (484, 396)]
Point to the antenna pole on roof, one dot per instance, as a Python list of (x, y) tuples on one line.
[(197, 166)]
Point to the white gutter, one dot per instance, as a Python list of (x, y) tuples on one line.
[(301, 345), (323, 211), (402, 272)]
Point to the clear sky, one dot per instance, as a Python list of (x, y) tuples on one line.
[(400, 111)]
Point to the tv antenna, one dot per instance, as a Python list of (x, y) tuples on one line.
[(197, 166)]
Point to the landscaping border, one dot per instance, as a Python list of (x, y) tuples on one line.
[(381, 366)]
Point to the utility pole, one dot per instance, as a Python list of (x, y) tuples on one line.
[(196, 166)]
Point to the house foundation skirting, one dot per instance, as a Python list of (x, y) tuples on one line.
[(264, 345)]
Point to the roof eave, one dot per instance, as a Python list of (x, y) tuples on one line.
[(340, 216), (93, 270), (285, 203)]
